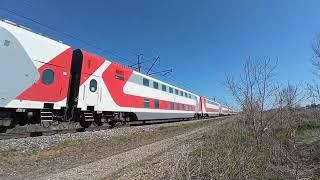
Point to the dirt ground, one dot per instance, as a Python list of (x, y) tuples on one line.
[(139, 156)]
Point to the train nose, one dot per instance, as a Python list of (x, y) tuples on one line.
[(17, 71)]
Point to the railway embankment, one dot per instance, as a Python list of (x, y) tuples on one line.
[(218, 148), (102, 154)]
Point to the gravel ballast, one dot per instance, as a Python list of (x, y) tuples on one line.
[(42, 142)]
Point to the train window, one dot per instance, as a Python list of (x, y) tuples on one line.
[(171, 105), (47, 76), (189, 95), (176, 91), (146, 102), (156, 104), (178, 106), (93, 85), (181, 93), (170, 89), (164, 87), (182, 107), (185, 94), (155, 85), (146, 82)]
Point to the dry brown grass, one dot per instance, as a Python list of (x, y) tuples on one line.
[(290, 151), (73, 153)]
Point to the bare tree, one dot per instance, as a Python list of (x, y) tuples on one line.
[(254, 91), (314, 88), (316, 50), (288, 99)]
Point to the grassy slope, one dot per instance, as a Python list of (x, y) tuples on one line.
[(231, 153), (73, 153)]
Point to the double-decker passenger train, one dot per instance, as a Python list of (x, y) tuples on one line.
[(45, 81)]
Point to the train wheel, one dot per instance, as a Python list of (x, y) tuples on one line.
[(112, 123), (85, 124), (97, 121), (3, 129)]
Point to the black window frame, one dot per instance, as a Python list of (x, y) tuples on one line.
[(146, 82), (171, 105), (146, 102), (155, 85), (164, 88), (171, 90), (156, 104), (176, 91), (93, 84), (48, 76)]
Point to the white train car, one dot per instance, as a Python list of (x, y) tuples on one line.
[(210, 108), (34, 72), (225, 110), (107, 89)]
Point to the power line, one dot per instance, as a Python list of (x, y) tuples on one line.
[(78, 39), (65, 33), (142, 62), (163, 71), (154, 62), (27, 3), (93, 45), (184, 85)]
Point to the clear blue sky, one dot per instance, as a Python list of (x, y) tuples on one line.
[(201, 40)]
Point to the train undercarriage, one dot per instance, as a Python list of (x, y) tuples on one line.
[(48, 118)]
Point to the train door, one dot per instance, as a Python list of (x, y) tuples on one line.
[(197, 106), (91, 90)]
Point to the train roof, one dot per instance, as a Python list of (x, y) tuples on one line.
[(30, 30)]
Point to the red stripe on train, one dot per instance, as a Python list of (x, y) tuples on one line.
[(56, 91), (115, 86)]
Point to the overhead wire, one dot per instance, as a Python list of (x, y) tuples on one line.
[(65, 34), (172, 78)]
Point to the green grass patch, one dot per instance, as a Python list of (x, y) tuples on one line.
[(227, 153), (174, 128), (302, 129), (73, 142)]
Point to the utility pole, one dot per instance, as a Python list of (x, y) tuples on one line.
[(139, 62)]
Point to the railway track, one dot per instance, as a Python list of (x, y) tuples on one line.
[(18, 135), (15, 134)]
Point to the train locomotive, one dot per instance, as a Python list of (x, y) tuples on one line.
[(45, 81)]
